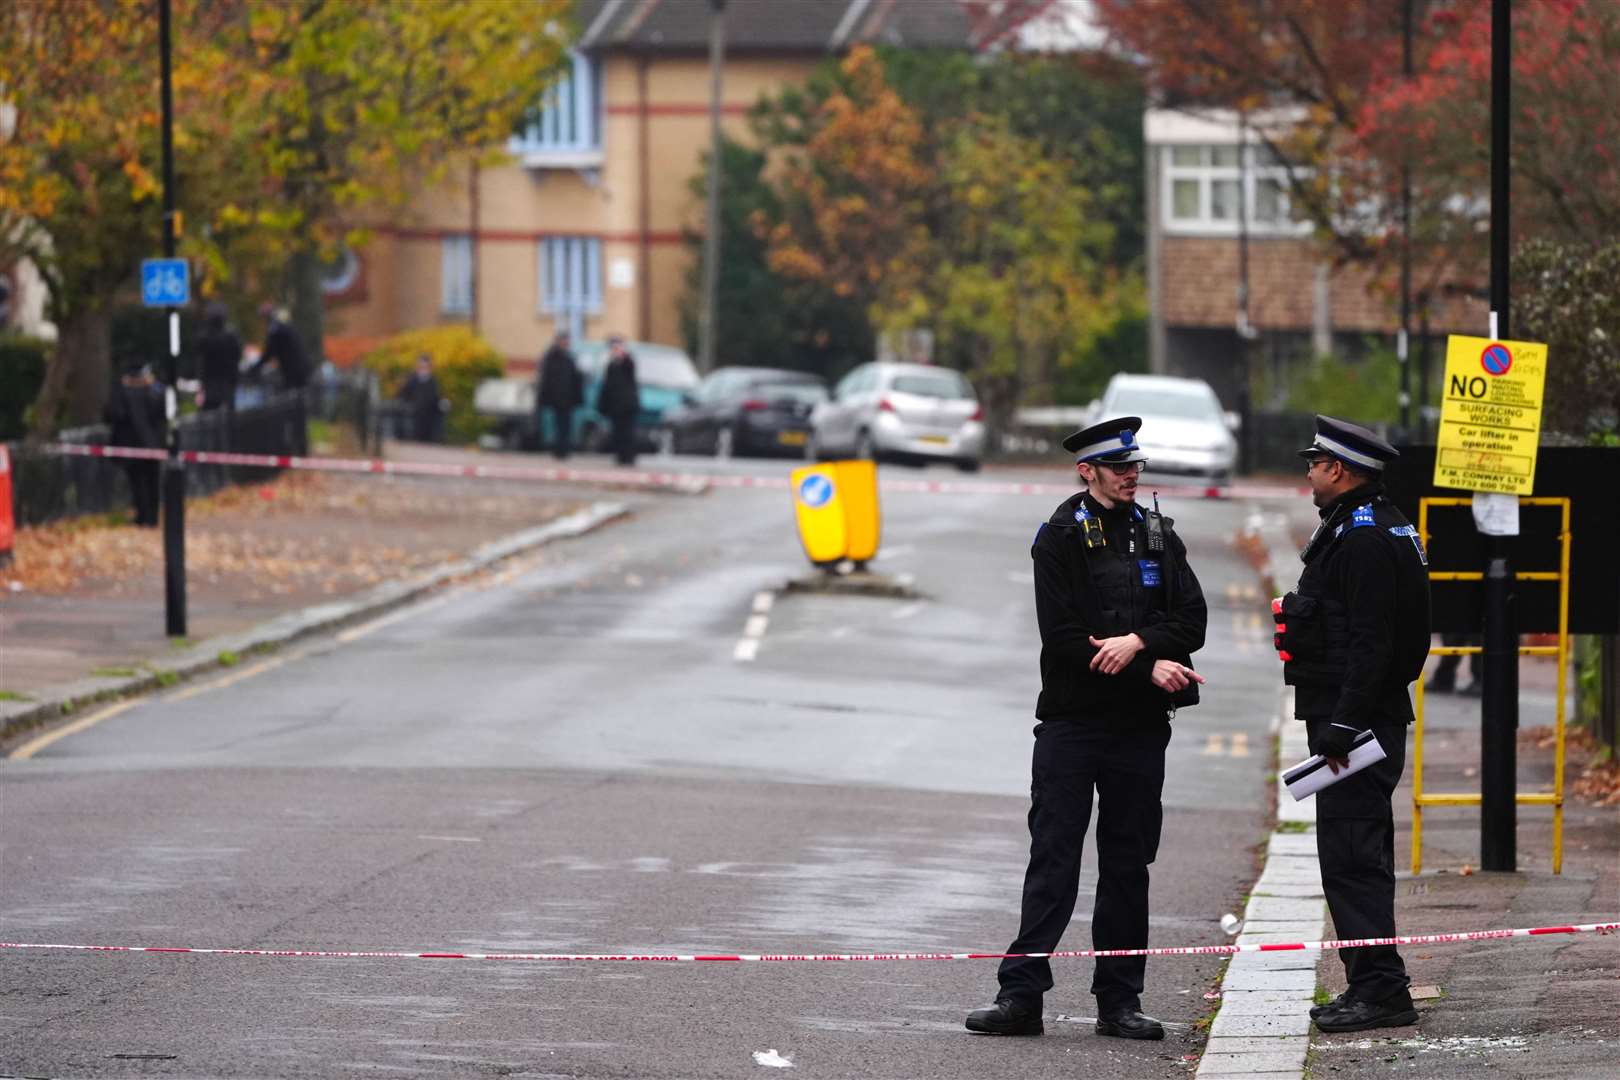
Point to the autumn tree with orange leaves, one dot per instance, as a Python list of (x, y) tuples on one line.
[(291, 121), (1357, 117), (966, 229)]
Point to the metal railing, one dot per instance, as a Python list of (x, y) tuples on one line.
[(51, 487), (1555, 797)]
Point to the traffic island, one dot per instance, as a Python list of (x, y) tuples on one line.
[(855, 583)]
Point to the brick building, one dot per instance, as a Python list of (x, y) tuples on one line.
[(584, 227), (1212, 189)]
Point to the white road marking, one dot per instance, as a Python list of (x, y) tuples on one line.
[(455, 839), (755, 626), (896, 551), (906, 612), (763, 602), (747, 649)]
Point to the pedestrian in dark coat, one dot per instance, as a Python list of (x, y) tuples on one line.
[(221, 352), (284, 349), (424, 401), (1120, 615), (619, 399), (560, 391), (135, 412), (1353, 636)]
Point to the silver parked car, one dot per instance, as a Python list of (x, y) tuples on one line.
[(900, 412), (1183, 427)]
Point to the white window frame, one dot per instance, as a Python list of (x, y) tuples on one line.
[(567, 133), (456, 274), (1206, 174), (569, 276)]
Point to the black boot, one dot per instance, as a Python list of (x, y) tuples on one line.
[(1357, 1015), (1318, 1010), (1006, 1018), (1129, 1024)]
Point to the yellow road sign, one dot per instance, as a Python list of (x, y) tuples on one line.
[(1490, 418)]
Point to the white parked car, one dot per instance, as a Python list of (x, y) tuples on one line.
[(1183, 427), (900, 412)]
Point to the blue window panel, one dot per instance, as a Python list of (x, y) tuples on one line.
[(570, 278), (570, 114), (455, 275)]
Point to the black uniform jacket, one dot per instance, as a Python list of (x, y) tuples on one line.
[(560, 386), (1358, 622), (1105, 592), (619, 395)]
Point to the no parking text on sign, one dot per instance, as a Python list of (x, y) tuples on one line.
[(1490, 420)]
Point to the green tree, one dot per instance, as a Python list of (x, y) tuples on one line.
[(1565, 295), (79, 165), (292, 120), (762, 317), (1017, 282), (365, 103)]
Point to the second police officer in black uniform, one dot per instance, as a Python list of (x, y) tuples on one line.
[(1120, 615), (1353, 635)]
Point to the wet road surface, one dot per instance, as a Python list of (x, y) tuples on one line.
[(575, 755)]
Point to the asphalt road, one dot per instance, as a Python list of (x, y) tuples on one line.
[(576, 755)]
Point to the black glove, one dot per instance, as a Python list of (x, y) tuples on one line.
[(1336, 741)]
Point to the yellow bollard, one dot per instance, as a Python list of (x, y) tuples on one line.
[(836, 505), (858, 483)]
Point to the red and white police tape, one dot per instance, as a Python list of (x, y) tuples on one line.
[(1070, 954), (642, 478)]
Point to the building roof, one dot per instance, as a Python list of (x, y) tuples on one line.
[(813, 26)]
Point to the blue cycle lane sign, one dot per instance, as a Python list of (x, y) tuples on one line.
[(815, 491), (165, 282)]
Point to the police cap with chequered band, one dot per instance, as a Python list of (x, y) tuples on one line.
[(1111, 441), (1350, 443)]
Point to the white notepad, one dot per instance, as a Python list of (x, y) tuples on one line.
[(1313, 774)]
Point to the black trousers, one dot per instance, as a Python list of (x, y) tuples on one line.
[(1123, 762), (1355, 844), (624, 438), (562, 430), (145, 485)]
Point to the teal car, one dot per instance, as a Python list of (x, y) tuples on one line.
[(664, 374)]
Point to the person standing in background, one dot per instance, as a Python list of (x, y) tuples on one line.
[(284, 349), (619, 400), (559, 391), (135, 413), (221, 352)]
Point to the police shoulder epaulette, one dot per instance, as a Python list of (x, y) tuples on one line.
[(1361, 515)]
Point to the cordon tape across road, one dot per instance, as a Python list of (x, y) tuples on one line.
[(678, 481), (1072, 954)]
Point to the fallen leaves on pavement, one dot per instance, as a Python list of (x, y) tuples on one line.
[(295, 535)]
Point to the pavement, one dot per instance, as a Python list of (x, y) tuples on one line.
[(1543, 1007), (640, 739)]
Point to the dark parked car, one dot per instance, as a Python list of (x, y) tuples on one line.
[(744, 410)]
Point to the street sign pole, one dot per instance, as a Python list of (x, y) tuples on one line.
[(1499, 705), (174, 470)]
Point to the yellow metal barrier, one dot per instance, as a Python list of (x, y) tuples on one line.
[(1555, 797)]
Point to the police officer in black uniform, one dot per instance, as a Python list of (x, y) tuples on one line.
[(1120, 614), (1353, 635)]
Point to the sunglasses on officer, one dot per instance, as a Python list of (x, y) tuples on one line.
[(1317, 459), (1121, 468)]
